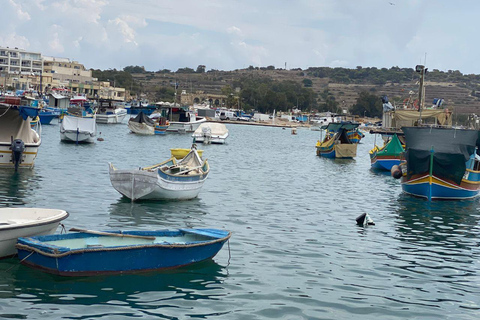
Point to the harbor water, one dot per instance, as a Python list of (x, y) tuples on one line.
[(295, 252)]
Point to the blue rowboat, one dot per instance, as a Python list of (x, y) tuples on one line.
[(94, 252)]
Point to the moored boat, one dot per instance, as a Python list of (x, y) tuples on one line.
[(78, 128), (141, 124), (441, 163), (93, 253), (26, 222), (211, 132), (108, 113), (169, 180), (390, 154), (338, 145), (183, 120), (19, 143)]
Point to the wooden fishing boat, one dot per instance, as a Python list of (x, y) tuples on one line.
[(338, 145), (441, 163), (169, 180), (180, 153), (93, 253), (389, 155), (26, 222)]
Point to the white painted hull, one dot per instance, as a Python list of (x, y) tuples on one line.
[(81, 137), (28, 157), (117, 117), (213, 139), (78, 130), (148, 185), (26, 222), (185, 126)]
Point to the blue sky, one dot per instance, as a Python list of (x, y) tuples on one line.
[(227, 35)]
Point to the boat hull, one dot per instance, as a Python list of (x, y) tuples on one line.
[(150, 185), (433, 187), (80, 137), (213, 139), (112, 118), (133, 257), (28, 156), (17, 222), (161, 129), (141, 128), (384, 163), (181, 127)]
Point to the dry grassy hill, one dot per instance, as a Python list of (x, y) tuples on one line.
[(456, 97)]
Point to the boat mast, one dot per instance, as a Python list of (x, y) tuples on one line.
[(421, 91)]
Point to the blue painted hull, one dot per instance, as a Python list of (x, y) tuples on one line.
[(46, 118), (438, 189), (147, 111), (118, 258), (385, 165)]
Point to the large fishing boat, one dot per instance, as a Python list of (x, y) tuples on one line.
[(441, 163)]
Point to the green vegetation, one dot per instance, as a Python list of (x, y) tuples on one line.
[(266, 95), (117, 78), (367, 104)]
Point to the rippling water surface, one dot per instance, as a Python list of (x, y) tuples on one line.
[(295, 253)]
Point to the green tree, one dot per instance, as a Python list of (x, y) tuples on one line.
[(134, 69), (307, 83), (367, 104)]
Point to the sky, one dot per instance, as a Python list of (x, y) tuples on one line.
[(228, 35)]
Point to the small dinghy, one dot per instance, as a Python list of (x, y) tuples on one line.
[(26, 222), (93, 252), (169, 180)]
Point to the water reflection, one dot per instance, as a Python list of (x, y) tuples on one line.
[(196, 282), (17, 186), (156, 213)]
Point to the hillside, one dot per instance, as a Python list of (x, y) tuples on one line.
[(456, 94)]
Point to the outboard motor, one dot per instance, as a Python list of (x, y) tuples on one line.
[(207, 135), (18, 147)]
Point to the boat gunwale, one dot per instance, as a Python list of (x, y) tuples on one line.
[(57, 218), (59, 252)]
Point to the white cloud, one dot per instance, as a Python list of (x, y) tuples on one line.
[(21, 14)]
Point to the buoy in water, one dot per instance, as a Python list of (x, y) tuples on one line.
[(364, 220), (100, 139), (396, 172)]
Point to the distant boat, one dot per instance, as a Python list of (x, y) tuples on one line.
[(141, 124), (91, 253), (26, 222), (182, 120), (441, 163), (78, 126), (211, 132), (390, 154), (108, 113), (169, 180), (19, 143), (337, 144)]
